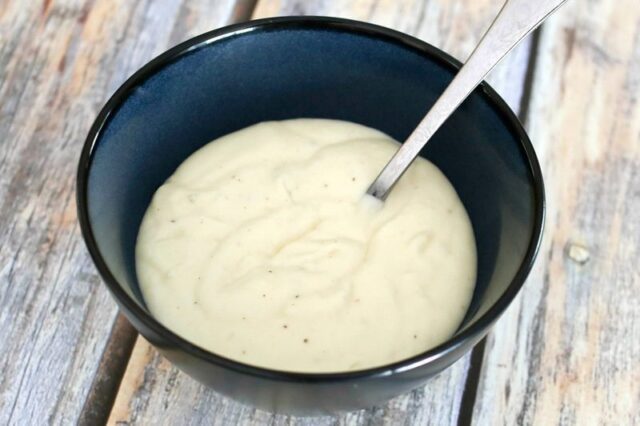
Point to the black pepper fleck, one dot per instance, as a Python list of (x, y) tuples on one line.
[(306, 340), (172, 221), (415, 336), (297, 296), (285, 326)]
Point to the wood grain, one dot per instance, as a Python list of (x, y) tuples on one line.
[(153, 391), (59, 60), (568, 352)]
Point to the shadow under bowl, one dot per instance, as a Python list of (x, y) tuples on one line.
[(282, 68)]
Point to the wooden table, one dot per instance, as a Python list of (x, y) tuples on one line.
[(566, 352)]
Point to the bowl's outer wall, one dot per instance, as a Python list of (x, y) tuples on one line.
[(302, 398), (309, 71)]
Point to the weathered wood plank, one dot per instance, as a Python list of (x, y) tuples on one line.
[(568, 352), (153, 391), (59, 60)]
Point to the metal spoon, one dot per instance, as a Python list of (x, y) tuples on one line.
[(516, 19)]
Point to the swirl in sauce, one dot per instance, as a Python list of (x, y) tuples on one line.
[(260, 248)]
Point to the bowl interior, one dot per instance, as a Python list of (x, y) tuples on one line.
[(275, 72)]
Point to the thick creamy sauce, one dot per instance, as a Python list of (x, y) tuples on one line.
[(259, 248)]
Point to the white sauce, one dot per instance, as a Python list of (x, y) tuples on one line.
[(260, 248)]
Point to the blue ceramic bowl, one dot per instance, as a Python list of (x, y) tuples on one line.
[(276, 69)]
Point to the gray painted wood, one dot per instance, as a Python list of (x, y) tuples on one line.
[(154, 392), (59, 60), (568, 351)]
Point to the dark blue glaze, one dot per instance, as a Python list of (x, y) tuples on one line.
[(307, 67)]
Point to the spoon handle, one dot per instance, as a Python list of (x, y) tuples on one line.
[(516, 19)]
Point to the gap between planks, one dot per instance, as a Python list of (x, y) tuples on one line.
[(477, 356)]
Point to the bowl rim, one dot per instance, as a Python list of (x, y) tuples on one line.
[(475, 330)]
